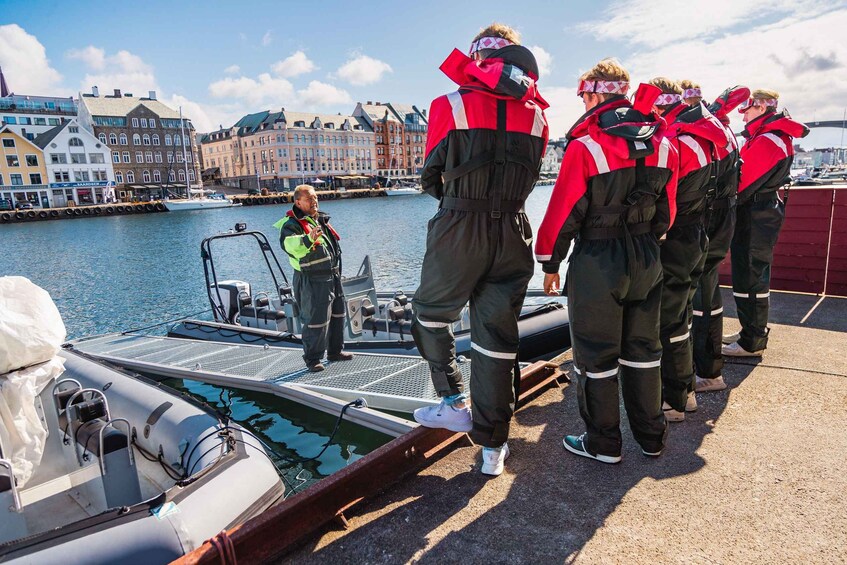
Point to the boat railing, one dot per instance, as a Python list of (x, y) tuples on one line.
[(7, 471)]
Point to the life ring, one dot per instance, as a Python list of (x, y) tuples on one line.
[(19, 215), (110, 210), (54, 213), (149, 207), (86, 211), (120, 209), (69, 211), (5, 217), (77, 212), (42, 214), (30, 214)]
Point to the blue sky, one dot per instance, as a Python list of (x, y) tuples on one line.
[(220, 60)]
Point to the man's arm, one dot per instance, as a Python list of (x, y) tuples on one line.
[(440, 123), (759, 163), (294, 241)]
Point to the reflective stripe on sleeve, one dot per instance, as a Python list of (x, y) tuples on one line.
[(641, 364), (458, 105), (596, 152), (695, 147), (493, 354)]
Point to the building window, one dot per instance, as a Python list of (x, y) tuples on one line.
[(177, 140), (146, 139), (171, 176), (158, 156), (144, 122), (148, 156), (136, 139), (181, 174), (78, 158), (123, 139), (179, 157), (100, 175), (73, 129), (130, 176), (58, 158), (102, 138), (11, 120), (170, 157), (191, 174), (152, 123), (135, 122), (119, 177), (167, 139), (34, 178), (116, 157), (145, 176), (81, 176), (16, 179), (62, 176), (157, 176), (8, 142), (75, 142), (113, 139), (155, 139), (139, 157), (96, 158), (126, 157)]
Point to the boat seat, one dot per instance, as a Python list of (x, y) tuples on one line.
[(263, 313), (5, 483), (402, 327)]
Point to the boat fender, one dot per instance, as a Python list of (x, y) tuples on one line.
[(42, 214), (110, 210), (87, 211), (6, 217), (160, 207), (19, 215), (98, 211), (149, 207), (69, 212), (54, 213), (120, 209), (30, 214), (77, 212)]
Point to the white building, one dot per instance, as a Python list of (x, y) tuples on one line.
[(79, 166), (552, 160)]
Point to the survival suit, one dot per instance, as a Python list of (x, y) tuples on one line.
[(766, 162), (485, 143), (696, 134), (614, 198), (317, 282), (707, 306)]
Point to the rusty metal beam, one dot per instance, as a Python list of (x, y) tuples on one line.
[(268, 535)]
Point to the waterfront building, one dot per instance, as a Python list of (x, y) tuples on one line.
[(79, 165), (23, 174), (147, 143), (399, 136), (29, 115), (552, 159), (279, 150)]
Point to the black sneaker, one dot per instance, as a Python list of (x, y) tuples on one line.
[(315, 367), (341, 356), (576, 444)]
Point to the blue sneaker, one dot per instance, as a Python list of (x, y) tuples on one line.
[(444, 415), (576, 444)]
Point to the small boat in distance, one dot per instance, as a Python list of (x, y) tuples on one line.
[(403, 189), (202, 202)]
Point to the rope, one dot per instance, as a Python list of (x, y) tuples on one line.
[(225, 548), (166, 322), (785, 368)]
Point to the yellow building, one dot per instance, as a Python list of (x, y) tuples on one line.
[(23, 172)]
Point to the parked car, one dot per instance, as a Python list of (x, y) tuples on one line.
[(6, 204), (252, 192), (23, 205)]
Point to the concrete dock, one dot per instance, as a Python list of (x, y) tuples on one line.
[(758, 473)]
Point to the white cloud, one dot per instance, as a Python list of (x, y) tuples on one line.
[(93, 57), (544, 60), (262, 89), (25, 64), (232, 70), (564, 108), (362, 70), (267, 38), (296, 64), (322, 94)]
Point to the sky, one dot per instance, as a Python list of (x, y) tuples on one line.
[(221, 60)]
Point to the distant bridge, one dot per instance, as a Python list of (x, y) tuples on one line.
[(827, 124)]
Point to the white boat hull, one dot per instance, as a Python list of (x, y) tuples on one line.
[(197, 204), (402, 191)]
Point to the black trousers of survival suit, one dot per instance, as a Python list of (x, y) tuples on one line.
[(707, 323), (757, 227), (613, 305), (322, 314), (683, 251), (473, 257)]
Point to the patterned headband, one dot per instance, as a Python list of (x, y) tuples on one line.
[(666, 99), (772, 102), (488, 43), (603, 87), (692, 93)]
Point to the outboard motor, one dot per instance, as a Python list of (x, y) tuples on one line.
[(227, 299)]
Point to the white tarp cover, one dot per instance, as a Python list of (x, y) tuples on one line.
[(31, 333)]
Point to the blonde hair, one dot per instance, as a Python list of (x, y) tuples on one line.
[(764, 94), (302, 188), (499, 30), (667, 85), (685, 85), (607, 69)]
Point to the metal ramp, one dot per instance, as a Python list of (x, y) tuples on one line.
[(387, 382)]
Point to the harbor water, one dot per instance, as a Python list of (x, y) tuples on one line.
[(109, 274)]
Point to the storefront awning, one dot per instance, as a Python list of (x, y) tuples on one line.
[(136, 186)]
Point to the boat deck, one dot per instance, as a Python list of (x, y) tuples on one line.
[(387, 382)]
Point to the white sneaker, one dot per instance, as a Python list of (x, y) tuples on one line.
[(735, 350), (672, 415), (444, 415), (707, 385), (493, 459), (691, 402), (730, 338)]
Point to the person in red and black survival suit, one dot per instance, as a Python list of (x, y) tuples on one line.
[(766, 163), (694, 133), (484, 149), (614, 197), (707, 306)]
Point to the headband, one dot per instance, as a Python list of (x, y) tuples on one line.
[(692, 93), (488, 43), (602, 87), (666, 99), (766, 102)]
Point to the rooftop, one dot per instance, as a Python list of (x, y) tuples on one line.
[(118, 106)]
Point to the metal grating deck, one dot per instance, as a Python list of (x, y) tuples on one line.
[(389, 382)]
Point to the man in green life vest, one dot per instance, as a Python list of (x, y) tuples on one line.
[(313, 250)]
